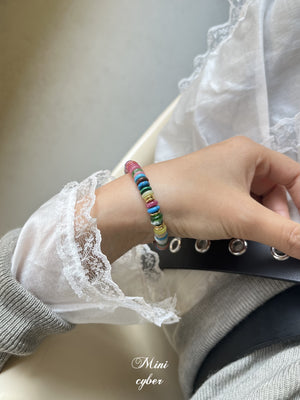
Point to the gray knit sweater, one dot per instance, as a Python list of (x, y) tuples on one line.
[(24, 320), (227, 303)]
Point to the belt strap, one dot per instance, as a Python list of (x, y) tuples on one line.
[(277, 320), (257, 260)]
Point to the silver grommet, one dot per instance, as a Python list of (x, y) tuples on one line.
[(202, 246), (279, 255), (175, 245), (237, 247)]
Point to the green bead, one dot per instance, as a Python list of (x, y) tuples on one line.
[(157, 221), (145, 189), (135, 170), (156, 217)]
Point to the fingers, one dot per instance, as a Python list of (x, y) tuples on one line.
[(281, 170), (276, 201), (268, 227)]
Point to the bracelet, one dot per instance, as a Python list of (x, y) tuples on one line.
[(159, 227)]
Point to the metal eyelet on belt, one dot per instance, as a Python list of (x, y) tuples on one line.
[(279, 255), (175, 245), (237, 247), (202, 246)]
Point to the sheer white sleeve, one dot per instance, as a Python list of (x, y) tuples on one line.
[(58, 258)]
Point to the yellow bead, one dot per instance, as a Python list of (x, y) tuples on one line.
[(154, 214), (148, 198), (148, 193), (161, 229)]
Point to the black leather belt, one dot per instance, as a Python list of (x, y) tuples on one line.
[(256, 260), (277, 320)]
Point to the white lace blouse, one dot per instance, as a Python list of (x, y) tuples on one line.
[(247, 83)]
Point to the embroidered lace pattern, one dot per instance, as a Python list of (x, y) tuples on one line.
[(285, 137), (88, 270), (215, 37)]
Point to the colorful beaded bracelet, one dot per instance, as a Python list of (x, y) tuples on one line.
[(159, 227)]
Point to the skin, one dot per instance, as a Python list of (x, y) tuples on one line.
[(235, 188)]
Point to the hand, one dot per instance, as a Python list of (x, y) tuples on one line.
[(236, 188)]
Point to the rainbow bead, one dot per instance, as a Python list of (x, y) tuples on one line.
[(146, 192), (160, 230), (141, 180), (164, 247), (154, 214), (136, 170), (151, 203), (143, 184), (162, 240), (138, 175), (130, 166), (153, 209), (157, 220), (148, 198)]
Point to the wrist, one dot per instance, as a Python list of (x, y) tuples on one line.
[(163, 185), (122, 217)]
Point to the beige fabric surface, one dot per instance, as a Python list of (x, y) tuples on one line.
[(93, 362)]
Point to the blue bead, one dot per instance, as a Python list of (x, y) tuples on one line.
[(158, 239), (139, 176), (153, 210), (143, 184), (162, 242)]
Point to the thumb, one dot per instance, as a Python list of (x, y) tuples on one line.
[(272, 229)]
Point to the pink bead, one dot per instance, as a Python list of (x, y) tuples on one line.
[(137, 173), (152, 203), (130, 166)]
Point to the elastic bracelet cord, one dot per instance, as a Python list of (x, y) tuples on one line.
[(156, 217)]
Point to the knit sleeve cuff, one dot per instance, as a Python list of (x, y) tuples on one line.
[(24, 320)]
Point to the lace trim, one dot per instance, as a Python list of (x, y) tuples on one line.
[(285, 137), (88, 270), (216, 35)]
